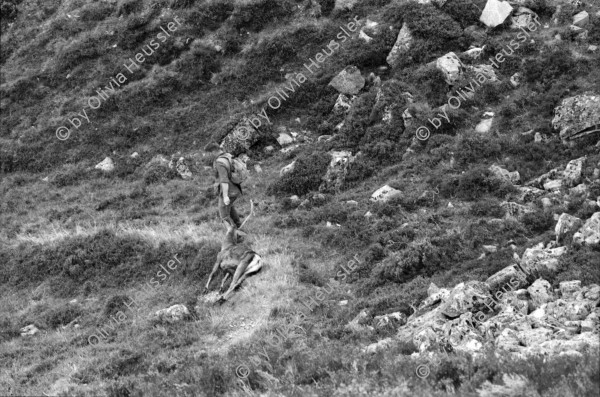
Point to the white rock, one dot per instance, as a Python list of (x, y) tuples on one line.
[(288, 168), (589, 234), (495, 13), (284, 139), (474, 53), (541, 292), (106, 165), (553, 185), (566, 224), (257, 168), (512, 177), (349, 81), (451, 66), (402, 45), (363, 36), (581, 19), (385, 193), (484, 126), (134, 155), (172, 314), (29, 330), (515, 80)]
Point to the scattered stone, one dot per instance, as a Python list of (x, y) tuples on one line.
[(490, 248), (568, 289), (515, 210), (540, 292), (284, 139), (333, 180), (343, 104), (573, 172), (343, 303), (537, 259), (105, 165), (466, 297), (474, 53), (257, 168), (402, 45), (589, 234), (288, 168), (581, 19), (349, 81), (451, 66), (181, 168), (173, 314), (495, 13), (515, 80), (352, 202), (344, 4), (392, 320), (566, 226), (522, 18), (269, 149), (576, 116), (29, 330), (134, 155), (512, 177), (511, 276), (385, 193)]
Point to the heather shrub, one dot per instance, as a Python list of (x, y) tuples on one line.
[(255, 15), (475, 184), (487, 207), (472, 148), (538, 221), (465, 12), (305, 176)]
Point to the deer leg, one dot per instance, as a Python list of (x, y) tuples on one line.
[(212, 273), (223, 282), (251, 268)]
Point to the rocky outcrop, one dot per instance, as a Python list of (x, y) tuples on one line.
[(532, 321), (349, 81), (577, 116)]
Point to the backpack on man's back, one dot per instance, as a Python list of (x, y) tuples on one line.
[(236, 168)]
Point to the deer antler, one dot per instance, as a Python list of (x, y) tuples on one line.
[(249, 215)]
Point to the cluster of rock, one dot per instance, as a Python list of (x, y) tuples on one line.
[(506, 312), (180, 165), (550, 188)]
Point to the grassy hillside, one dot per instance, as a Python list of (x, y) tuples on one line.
[(78, 244)]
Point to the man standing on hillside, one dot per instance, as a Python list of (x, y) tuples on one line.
[(229, 182)]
